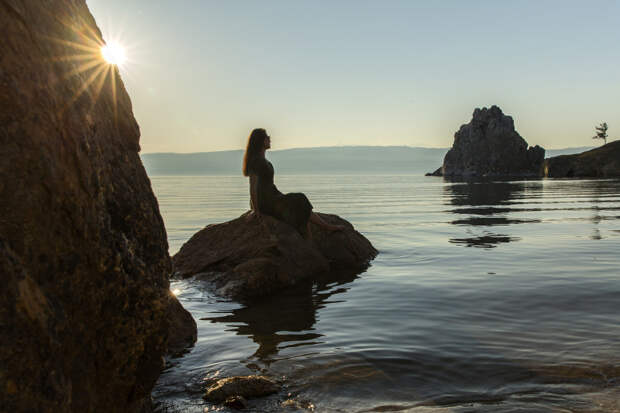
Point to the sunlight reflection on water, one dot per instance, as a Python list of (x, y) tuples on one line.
[(486, 296)]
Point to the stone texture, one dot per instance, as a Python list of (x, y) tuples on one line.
[(182, 331), (490, 146), (244, 386), (249, 256), (83, 250), (299, 405), (602, 162), (236, 402)]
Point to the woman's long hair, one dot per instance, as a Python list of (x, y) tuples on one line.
[(256, 143)]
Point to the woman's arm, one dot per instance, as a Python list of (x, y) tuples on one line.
[(253, 194)]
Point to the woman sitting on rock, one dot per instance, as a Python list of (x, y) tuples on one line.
[(265, 198)]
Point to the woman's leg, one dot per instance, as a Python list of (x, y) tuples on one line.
[(317, 220)]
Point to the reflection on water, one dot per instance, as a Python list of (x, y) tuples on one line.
[(484, 196), (525, 320), (481, 193), (488, 240), (285, 318)]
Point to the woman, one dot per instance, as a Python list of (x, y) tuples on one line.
[(265, 198)]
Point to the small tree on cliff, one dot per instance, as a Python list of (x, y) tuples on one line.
[(601, 132)]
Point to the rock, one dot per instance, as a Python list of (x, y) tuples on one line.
[(245, 386), (236, 402), (602, 162), (436, 172), (490, 146), (182, 331), (249, 257), (294, 404), (83, 250)]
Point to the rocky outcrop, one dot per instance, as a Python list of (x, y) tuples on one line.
[(250, 256), (602, 162), (83, 252), (490, 146)]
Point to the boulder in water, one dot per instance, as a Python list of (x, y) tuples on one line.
[(182, 330), (232, 388), (249, 256)]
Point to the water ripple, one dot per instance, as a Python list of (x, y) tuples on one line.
[(526, 320)]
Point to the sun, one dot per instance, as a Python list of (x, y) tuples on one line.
[(113, 53)]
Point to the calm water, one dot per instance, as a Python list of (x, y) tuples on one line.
[(485, 297)]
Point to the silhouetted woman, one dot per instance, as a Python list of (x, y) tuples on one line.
[(265, 198)]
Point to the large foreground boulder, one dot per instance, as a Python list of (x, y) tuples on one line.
[(602, 162), (490, 146), (84, 297), (250, 256)]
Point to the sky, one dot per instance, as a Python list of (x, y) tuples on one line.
[(202, 74)]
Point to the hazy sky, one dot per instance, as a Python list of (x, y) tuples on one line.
[(202, 74)]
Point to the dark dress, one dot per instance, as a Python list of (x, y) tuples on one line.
[(292, 208)]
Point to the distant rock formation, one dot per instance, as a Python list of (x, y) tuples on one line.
[(490, 146), (602, 162), (249, 256), (85, 306)]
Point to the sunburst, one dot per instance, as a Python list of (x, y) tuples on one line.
[(114, 54), (94, 60)]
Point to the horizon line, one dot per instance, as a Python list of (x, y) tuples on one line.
[(338, 146)]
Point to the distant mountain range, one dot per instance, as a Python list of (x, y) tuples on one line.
[(323, 160)]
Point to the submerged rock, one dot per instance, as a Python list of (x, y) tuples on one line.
[(490, 146), (83, 250), (602, 162), (244, 386), (250, 256)]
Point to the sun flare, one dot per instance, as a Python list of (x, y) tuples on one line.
[(113, 53)]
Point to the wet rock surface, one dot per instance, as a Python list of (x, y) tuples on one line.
[(250, 257), (298, 405), (182, 329), (231, 388), (603, 162), (236, 402), (490, 146), (83, 250)]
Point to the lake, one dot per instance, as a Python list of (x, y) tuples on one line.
[(492, 296)]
